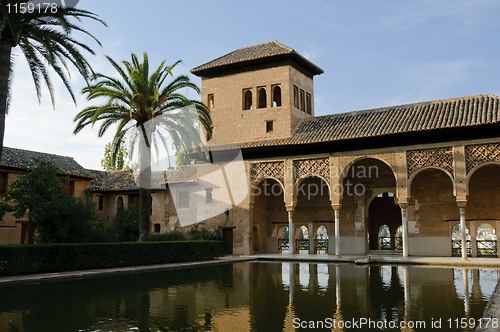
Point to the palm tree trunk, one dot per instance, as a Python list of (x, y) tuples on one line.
[(5, 51), (144, 188)]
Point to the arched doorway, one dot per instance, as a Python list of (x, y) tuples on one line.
[(321, 240), (268, 215), (486, 241), (385, 219), (283, 240), (302, 240), (362, 182)]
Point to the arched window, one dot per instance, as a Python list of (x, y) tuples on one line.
[(486, 241), (321, 240), (247, 99), (276, 96), (119, 203), (384, 238), (456, 241), (262, 98)]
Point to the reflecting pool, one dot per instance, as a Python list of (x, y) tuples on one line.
[(256, 296)]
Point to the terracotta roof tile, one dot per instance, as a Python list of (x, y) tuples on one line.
[(432, 115), (261, 52), (19, 158)]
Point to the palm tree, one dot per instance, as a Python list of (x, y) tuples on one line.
[(134, 102), (43, 34)]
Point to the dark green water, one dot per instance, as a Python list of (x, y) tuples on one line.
[(254, 297)]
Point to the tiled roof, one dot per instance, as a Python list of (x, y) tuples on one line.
[(454, 113), (125, 180), (22, 159), (265, 52)]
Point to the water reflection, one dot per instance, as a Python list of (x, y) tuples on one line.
[(250, 297)]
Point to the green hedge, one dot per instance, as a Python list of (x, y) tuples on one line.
[(43, 258)]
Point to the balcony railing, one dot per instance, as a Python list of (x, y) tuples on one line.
[(487, 248), (302, 245), (321, 244), (384, 243), (283, 245), (456, 248)]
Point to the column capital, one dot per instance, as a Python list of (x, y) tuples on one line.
[(461, 203), (336, 206), (290, 208), (403, 205)]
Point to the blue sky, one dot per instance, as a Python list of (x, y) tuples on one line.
[(374, 54)]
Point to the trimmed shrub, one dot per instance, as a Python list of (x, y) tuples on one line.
[(43, 258), (169, 236)]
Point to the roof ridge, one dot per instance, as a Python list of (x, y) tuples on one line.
[(388, 108), (46, 153)]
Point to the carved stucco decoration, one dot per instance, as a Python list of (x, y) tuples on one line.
[(478, 154), (438, 157), (275, 169), (389, 158), (317, 166)]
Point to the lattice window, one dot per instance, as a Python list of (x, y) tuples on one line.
[(318, 166), (478, 154), (275, 169), (439, 157)]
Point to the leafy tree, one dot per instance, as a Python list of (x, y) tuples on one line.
[(39, 196), (114, 164), (127, 223), (134, 99), (44, 37)]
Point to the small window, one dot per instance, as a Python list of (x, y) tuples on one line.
[(68, 187), (208, 195), (276, 96), (247, 99), (119, 203), (210, 101), (157, 228), (295, 96), (302, 101), (183, 199), (269, 126), (101, 203), (262, 97), (3, 183), (308, 103)]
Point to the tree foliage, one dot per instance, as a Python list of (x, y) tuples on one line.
[(137, 97), (108, 163), (38, 195), (45, 39)]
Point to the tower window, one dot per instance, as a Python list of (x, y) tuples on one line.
[(262, 97), (308, 103), (276, 96), (295, 96), (157, 228), (302, 101), (247, 99), (269, 126), (101, 203), (210, 101), (183, 199)]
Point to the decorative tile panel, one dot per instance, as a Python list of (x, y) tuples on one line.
[(478, 154), (438, 157)]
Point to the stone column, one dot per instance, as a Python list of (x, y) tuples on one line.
[(336, 208), (404, 223), (461, 206), (291, 231), (473, 234)]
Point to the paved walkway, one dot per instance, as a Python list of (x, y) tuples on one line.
[(389, 259), (57, 276)]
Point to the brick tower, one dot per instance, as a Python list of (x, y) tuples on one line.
[(257, 92)]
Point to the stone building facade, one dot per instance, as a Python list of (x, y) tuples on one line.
[(396, 178)]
